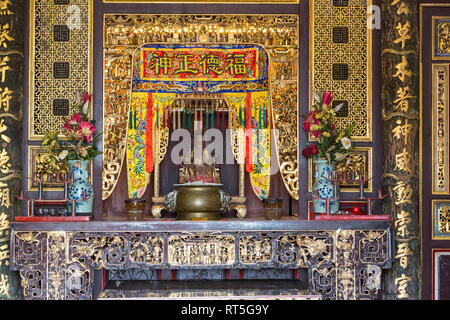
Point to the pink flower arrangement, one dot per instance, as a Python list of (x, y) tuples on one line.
[(331, 143), (80, 134)]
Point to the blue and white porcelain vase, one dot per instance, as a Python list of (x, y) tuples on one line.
[(79, 185), (323, 188)]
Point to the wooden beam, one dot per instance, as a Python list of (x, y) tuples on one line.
[(11, 111), (400, 112)]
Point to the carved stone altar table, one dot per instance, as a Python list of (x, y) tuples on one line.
[(344, 259)]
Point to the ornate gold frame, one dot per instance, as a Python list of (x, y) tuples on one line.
[(205, 1), (433, 219), (31, 136), (31, 151)]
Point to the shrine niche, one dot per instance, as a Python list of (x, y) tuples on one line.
[(215, 92)]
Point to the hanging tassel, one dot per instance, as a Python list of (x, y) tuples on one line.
[(173, 116), (201, 117), (207, 116), (140, 117), (217, 114), (245, 117), (184, 117), (195, 116), (265, 117), (261, 110), (130, 125), (168, 116), (179, 116), (149, 138), (240, 116), (223, 105), (212, 116), (157, 116), (165, 117), (248, 146), (189, 120)]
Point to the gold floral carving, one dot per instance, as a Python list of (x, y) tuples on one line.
[(147, 250), (115, 105), (443, 41), (254, 249)]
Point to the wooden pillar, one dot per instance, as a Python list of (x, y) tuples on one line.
[(11, 112), (400, 108)]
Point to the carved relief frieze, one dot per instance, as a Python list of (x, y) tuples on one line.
[(201, 250), (255, 249), (342, 264)]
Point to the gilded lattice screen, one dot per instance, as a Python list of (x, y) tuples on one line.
[(341, 60), (60, 61)]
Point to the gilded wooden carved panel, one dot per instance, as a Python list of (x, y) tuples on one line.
[(340, 58), (441, 219), (277, 33), (440, 121), (60, 37), (36, 169), (342, 264), (359, 165), (201, 250)]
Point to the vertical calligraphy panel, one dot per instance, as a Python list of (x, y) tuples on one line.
[(400, 113), (11, 104)]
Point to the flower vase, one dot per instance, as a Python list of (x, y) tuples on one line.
[(323, 188), (80, 186)]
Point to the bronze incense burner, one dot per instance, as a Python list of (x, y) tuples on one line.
[(198, 201)]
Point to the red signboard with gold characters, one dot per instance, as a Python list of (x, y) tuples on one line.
[(199, 64)]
